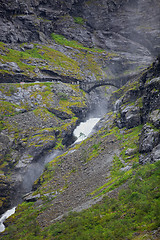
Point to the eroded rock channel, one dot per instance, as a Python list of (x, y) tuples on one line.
[(42, 117)]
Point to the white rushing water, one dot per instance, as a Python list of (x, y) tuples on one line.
[(84, 129), (6, 215)]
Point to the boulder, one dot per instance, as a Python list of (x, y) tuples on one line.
[(29, 197), (145, 158), (149, 138), (130, 151), (130, 116), (156, 153)]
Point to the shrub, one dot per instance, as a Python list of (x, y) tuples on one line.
[(79, 20)]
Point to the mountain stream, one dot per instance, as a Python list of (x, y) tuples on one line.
[(35, 169)]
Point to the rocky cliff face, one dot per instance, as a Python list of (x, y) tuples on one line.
[(141, 105), (106, 23), (127, 30)]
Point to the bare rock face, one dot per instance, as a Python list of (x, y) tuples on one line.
[(156, 153), (130, 116), (142, 102), (128, 31), (114, 25), (148, 140), (154, 118), (141, 105), (5, 143)]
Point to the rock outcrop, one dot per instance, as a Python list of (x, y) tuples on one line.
[(141, 105)]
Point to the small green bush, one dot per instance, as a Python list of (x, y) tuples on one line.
[(59, 39), (79, 20)]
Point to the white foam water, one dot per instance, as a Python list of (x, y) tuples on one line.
[(84, 129), (6, 215)]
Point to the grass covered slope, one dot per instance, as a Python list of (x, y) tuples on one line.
[(61, 59), (133, 214)]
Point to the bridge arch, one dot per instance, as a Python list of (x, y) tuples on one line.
[(88, 87), (116, 82)]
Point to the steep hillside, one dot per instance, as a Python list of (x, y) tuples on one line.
[(34, 118), (119, 161), (60, 62)]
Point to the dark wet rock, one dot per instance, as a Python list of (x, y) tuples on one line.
[(140, 104), (32, 128), (5, 143), (39, 146), (118, 26), (5, 193), (151, 96), (149, 138), (79, 112), (61, 114)]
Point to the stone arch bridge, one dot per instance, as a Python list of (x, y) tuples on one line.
[(116, 82)]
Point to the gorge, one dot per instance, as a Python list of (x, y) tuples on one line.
[(61, 63)]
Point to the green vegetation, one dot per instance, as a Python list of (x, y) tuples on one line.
[(78, 62), (127, 139), (43, 56), (79, 20), (8, 109), (95, 151), (135, 210), (60, 39)]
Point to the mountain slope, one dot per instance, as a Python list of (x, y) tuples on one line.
[(107, 163), (48, 51)]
